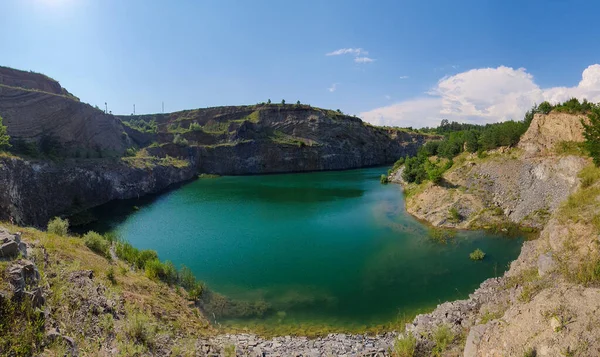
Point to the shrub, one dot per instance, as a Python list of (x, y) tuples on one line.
[(405, 346), (442, 336), (131, 152), (154, 269), (384, 179), (139, 329), (58, 226), (195, 126), (455, 216), (144, 256), (544, 107), (179, 140), (4, 138), (97, 243), (592, 135), (477, 254), (110, 275)]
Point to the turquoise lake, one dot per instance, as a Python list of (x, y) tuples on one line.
[(334, 249)]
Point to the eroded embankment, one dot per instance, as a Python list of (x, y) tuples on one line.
[(546, 304)]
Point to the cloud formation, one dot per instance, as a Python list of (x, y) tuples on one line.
[(360, 55), (484, 95), (332, 88), (344, 51), (363, 60), (404, 77)]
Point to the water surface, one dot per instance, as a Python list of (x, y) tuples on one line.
[(332, 248)]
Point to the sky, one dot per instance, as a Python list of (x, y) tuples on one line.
[(398, 63)]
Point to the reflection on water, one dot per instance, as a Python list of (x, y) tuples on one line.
[(329, 248)]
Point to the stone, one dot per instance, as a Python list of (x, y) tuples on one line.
[(9, 249), (36, 297), (546, 264), (473, 339)]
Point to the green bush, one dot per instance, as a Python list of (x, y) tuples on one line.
[(180, 140), (58, 226), (384, 179), (477, 254), (195, 126), (97, 243), (441, 235), (455, 215), (4, 137), (405, 346), (131, 152), (592, 134), (110, 275), (442, 337)]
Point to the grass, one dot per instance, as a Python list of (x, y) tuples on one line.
[(571, 148), (283, 138), (208, 176), (440, 235), (442, 337), (405, 346), (21, 328), (477, 254), (583, 206), (151, 306), (143, 160)]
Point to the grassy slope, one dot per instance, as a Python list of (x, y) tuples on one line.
[(148, 315)]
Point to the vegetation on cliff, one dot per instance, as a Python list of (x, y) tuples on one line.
[(4, 138)]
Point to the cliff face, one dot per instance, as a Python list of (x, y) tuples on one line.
[(38, 111), (548, 130), (275, 138), (34, 192), (45, 120), (544, 305)]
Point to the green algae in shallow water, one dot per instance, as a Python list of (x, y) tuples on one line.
[(325, 251)]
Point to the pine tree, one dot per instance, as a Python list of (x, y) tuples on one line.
[(592, 134)]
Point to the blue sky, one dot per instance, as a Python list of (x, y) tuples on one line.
[(430, 59)]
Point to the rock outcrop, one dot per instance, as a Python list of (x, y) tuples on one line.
[(35, 191), (548, 130), (46, 122), (540, 306), (42, 116)]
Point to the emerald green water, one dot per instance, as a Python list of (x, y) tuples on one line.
[(328, 248)]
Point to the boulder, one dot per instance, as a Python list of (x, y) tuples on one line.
[(546, 264), (23, 274), (472, 344), (9, 249)]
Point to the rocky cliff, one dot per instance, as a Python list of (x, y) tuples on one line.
[(41, 116), (68, 156), (546, 304)]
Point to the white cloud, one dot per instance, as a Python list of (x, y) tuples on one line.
[(360, 55), (404, 77), (333, 87), (363, 60), (387, 97), (344, 51), (482, 95)]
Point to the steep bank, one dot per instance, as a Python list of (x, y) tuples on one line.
[(35, 191), (546, 303), (68, 155)]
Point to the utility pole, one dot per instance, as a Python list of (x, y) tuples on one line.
[(163, 107), (134, 109), (105, 108)]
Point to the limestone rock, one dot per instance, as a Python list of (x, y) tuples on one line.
[(545, 264)]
